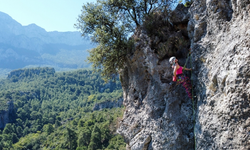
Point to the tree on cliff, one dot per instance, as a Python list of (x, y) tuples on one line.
[(109, 23)]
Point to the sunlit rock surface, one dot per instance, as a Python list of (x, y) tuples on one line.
[(158, 112), (220, 35)]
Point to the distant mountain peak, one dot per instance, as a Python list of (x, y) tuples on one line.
[(35, 27), (5, 16), (31, 45), (10, 28)]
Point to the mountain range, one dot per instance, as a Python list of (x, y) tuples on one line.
[(31, 45)]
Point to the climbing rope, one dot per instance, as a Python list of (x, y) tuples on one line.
[(192, 99), (193, 107)]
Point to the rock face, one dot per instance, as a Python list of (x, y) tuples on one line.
[(7, 116), (108, 104), (158, 112), (220, 35), (8, 110)]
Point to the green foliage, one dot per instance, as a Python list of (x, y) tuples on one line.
[(18, 74), (29, 142), (82, 148), (57, 124), (95, 140), (116, 143), (96, 135), (71, 139), (188, 3), (48, 128), (8, 129), (109, 23), (54, 110), (1, 145), (84, 137), (14, 138), (19, 131), (109, 32)]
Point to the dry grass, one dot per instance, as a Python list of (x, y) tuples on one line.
[(196, 17), (203, 59), (213, 87)]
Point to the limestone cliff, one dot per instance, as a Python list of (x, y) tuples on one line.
[(8, 115), (8, 109), (159, 114), (220, 35)]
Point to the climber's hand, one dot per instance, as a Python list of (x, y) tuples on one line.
[(174, 78)]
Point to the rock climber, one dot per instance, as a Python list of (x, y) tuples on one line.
[(180, 77)]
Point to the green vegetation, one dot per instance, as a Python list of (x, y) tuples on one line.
[(188, 3), (109, 23), (54, 111)]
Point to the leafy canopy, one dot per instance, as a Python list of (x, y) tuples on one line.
[(109, 23)]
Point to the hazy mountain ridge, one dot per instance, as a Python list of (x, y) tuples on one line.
[(9, 26), (31, 45)]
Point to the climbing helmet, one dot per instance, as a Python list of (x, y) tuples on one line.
[(172, 60)]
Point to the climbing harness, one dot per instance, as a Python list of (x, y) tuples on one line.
[(184, 81)]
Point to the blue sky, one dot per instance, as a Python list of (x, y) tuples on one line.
[(52, 15)]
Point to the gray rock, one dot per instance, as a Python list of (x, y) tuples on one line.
[(158, 113), (220, 35), (180, 14), (7, 116)]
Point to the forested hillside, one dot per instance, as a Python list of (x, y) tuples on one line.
[(54, 110)]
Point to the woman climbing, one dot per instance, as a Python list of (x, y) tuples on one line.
[(180, 77)]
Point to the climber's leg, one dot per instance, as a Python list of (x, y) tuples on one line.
[(186, 84)]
